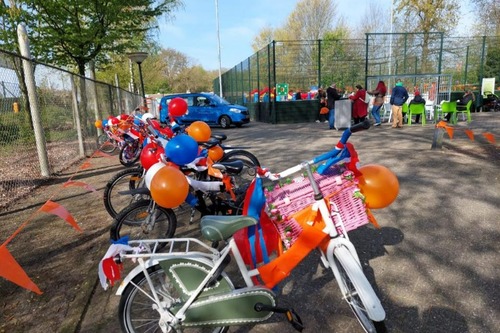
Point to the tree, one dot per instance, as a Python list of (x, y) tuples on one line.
[(426, 16), (488, 14), (75, 32)]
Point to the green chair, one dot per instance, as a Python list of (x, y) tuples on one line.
[(448, 107), (404, 111), (465, 111), (415, 109)]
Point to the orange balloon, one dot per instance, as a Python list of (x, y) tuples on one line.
[(379, 185), (169, 187), (200, 131), (98, 123), (216, 153)]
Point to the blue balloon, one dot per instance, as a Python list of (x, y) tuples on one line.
[(182, 149), (104, 122)]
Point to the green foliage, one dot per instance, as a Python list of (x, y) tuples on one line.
[(75, 32)]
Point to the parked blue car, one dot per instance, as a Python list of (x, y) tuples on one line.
[(207, 107)]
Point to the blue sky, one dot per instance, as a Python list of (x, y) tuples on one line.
[(193, 31)]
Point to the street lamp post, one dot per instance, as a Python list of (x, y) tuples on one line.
[(138, 58)]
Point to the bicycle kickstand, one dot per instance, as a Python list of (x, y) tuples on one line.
[(292, 316)]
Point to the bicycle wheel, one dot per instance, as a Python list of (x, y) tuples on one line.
[(356, 290), (137, 312), (250, 162), (125, 180), (130, 154), (105, 144), (144, 219)]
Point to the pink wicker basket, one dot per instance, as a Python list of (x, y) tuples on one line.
[(340, 186)]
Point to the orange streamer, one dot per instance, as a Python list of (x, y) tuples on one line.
[(81, 184), (470, 134), (490, 137), (12, 271), (52, 207), (85, 165)]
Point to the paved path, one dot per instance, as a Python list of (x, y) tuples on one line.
[(434, 262)]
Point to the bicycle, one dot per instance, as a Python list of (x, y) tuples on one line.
[(145, 218), (188, 286), (119, 191)]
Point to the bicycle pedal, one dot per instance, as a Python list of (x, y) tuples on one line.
[(292, 316)]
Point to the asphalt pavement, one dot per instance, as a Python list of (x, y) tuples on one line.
[(434, 262)]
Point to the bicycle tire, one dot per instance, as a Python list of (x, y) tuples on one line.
[(105, 144), (134, 221), (250, 163), (125, 180), (130, 154), (357, 290), (146, 316)]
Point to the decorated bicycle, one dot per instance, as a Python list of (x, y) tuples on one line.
[(188, 286)]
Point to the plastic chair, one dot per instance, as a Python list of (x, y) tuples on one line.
[(465, 111), (404, 111), (415, 109), (449, 107)]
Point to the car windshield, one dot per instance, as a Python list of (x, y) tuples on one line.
[(219, 99)]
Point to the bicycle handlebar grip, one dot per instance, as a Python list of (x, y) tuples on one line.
[(361, 126)]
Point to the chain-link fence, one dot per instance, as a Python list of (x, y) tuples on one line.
[(305, 66), (60, 97)]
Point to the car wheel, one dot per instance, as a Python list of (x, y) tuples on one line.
[(225, 122)]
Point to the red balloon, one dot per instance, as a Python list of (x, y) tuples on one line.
[(177, 107), (379, 185), (150, 154)]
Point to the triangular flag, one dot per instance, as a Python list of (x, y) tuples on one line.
[(12, 271), (52, 207), (81, 184), (490, 137), (449, 130), (470, 134)]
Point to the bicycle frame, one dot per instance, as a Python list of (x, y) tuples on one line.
[(216, 259)]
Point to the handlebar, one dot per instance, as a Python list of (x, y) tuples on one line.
[(332, 157)]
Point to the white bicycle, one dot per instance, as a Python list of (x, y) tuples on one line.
[(187, 288)]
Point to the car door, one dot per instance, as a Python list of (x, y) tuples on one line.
[(204, 111)]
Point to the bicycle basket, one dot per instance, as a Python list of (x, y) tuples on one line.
[(337, 184)]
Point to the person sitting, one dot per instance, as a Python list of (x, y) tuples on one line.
[(418, 99), (462, 102)]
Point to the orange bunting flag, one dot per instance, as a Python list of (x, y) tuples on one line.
[(449, 130), (52, 207), (81, 184), (12, 271), (85, 165), (470, 134), (102, 154), (490, 137), (441, 124)]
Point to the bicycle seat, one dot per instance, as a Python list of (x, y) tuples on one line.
[(231, 167), (221, 227), (219, 136)]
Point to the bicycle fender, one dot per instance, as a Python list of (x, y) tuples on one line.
[(353, 268), (183, 266)]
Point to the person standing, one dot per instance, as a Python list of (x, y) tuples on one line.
[(379, 93), (359, 107), (332, 95), (399, 96), (322, 115)]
